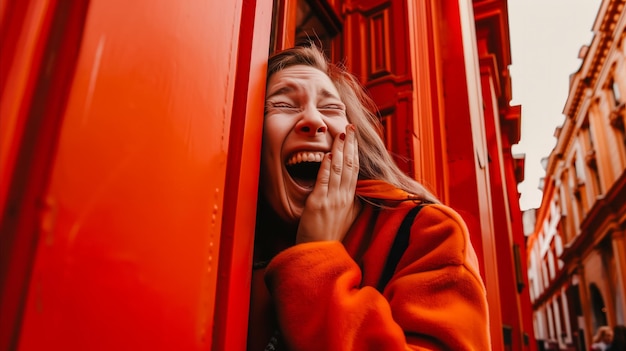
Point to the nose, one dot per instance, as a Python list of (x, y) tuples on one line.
[(311, 123)]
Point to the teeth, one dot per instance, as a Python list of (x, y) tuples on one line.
[(305, 156)]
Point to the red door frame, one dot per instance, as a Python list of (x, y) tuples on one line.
[(238, 224)]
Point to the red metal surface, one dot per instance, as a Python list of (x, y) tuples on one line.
[(36, 81), (130, 235), (24, 30)]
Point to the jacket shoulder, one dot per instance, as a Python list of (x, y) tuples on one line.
[(440, 237)]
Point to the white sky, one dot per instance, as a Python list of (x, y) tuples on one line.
[(546, 37)]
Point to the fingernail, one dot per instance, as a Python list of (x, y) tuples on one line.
[(351, 127), (330, 156), (342, 136)]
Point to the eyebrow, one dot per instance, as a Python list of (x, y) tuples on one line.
[(282, 91), (290, 87), (326, 93)]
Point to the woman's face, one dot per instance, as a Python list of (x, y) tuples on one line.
[(303, 115)]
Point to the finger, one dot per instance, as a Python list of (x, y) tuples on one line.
[(323, 176), (336, 165), (350, 169)]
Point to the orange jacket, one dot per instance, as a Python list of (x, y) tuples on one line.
[(324, 293)]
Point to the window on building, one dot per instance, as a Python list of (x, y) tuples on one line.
[(578, 188), (617, 116), (597, 304), (545, 281), (531, 291), (550, 317), (550, 256), (617, 122), (561, 220), (558, 249), (579, 169), (539, 324), (615, 92), (561, 333), (570, 191), (591, 162), (567, 219), (617, 113), (567, 317), (562, 229)]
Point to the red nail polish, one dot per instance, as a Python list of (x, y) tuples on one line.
[(342, 136), (330, 156)]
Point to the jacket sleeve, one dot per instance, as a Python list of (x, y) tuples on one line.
[(435, 300)]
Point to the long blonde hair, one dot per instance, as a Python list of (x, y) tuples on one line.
[(375, 162)]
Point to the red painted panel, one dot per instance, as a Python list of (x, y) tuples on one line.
[(24, 30), (45, 35), (377, 51), (129, 243)]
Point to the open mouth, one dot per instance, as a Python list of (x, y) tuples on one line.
[(303, 167)]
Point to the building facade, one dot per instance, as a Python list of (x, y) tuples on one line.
[(130, 136), (577, 252)]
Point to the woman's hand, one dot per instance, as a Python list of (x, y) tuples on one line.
[(332, 206)]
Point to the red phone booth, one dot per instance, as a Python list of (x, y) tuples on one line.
[(129, 153)]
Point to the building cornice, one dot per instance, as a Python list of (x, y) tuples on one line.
[(594, 56), (492, 24), (583, 82)]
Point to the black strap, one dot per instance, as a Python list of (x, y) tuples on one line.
[(400, 243)]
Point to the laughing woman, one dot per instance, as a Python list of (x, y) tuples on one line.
[(350, 253)]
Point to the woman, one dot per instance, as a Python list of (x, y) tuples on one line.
[(602, 340), (331, 203)]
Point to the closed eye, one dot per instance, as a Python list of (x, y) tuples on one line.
[(281, 105), (333, 110), (332, 107)]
